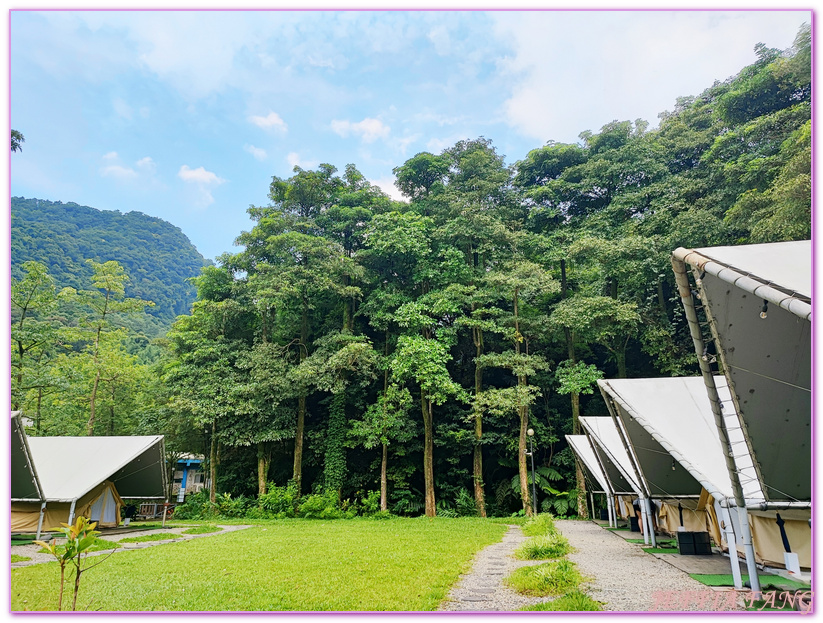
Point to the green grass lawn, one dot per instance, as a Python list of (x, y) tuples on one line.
[(18, 558), (395, 564)]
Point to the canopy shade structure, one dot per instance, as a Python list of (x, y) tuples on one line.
[(757, 299), (672, 431), (582, 447), (611, 452), (25, 484), (70, 467)]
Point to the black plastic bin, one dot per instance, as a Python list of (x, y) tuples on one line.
[(635, 527), (693, 543)]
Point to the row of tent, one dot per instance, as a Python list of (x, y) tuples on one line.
[(728, 452), (56, 479)]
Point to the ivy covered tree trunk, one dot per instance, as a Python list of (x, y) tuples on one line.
[(335, 461), (384, 481)]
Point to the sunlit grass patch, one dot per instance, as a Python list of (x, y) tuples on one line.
[(551, 578), (552, 545), (539, 525), (157, 536), (206, 529), (575, 601), (391, 565), (19, 558)]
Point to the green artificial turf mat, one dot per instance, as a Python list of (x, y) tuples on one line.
[(766, 580), (660, 550)]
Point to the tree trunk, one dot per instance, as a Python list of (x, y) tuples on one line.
[(297, 476), (428, 454), (479, 496), (263, 462), (620, 355), (582, 511), (298, 444), (384, 481), (90, 423), (213, 463), (522, 466)]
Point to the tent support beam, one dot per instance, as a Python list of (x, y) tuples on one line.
[(731, 540), (685, 292), (650, 521), (40, 520), (71, 512)]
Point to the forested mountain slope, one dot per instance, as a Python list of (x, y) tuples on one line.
[(157, 256)]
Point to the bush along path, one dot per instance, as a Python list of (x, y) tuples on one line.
[(514, 574)]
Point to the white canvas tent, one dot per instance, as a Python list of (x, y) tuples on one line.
[(613, 452), (756, 301), (90, 476), (581, 445)]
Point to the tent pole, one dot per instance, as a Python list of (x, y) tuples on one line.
[(71, 512), (40, 521), (643, 518), (731, 540), (685, 292), (591, 499), (650, 521)]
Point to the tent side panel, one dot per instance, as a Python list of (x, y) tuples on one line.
[(24, 516)]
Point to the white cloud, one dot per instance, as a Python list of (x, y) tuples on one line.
[(203, 182), (294, 160), (272, 121), (630, 64), (257, 152), (147, 164), (386, 184), (118, 172), (145, 167), (369, 129)]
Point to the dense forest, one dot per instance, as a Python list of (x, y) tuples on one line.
[(157, 256), (359, 344)]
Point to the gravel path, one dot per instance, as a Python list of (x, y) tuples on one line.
[(627, 579), (619, 574), (32, 551), (482, 589)]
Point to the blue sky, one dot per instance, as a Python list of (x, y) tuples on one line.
[(186, 115)]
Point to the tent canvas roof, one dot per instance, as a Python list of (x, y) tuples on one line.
[(767, 360), (671, 418), (603, 432), (25, 485), (583, 449), (786, 265), (70, 467)]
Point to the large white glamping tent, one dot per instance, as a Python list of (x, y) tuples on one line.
[(755, 301), (25, 484), (672, 433), (616, 462), (582, 446), (88, 476)]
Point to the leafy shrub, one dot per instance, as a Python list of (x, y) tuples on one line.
[(193, 507), (552, 545), (539, 525), (407, 502), (370, 504), (551, 578), (280, 501), (464, 504), (227, 506), (322, 506), (575, 601)]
